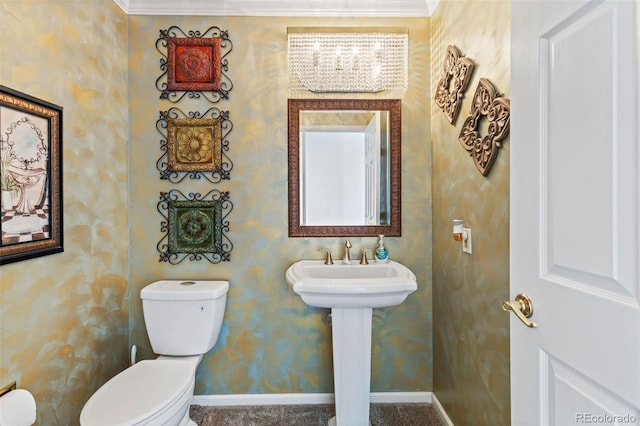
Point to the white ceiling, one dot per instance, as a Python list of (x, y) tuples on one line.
[(319, 8)]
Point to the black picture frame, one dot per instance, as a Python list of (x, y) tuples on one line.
[(31, 215)]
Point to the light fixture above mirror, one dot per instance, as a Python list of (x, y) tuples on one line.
[(347, 59)]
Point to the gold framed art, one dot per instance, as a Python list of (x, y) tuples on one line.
[(194, 145)]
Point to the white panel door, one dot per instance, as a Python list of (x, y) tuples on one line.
[(575, 212)]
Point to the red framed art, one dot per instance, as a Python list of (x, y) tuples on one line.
[(193, 64)]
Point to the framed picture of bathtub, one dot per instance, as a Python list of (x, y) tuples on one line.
[(30, 177)]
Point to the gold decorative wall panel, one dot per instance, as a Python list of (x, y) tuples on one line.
[(456, 74), (486, 105)]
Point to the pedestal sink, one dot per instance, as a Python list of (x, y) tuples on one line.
[(351, 291), (26, 179)]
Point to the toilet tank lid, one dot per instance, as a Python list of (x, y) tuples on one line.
[(184, 290)]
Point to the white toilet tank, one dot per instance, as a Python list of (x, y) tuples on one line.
[(184, 317)]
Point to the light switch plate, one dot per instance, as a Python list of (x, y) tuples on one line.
[(466, 240)]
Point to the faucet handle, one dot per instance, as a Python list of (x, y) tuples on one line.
[(329, 259), (363, 258)]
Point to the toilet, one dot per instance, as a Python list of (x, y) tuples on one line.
[(183, 321)]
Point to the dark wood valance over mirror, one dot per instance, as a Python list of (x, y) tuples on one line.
[(344, 167)]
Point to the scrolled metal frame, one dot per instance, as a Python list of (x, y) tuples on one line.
[(168, 204), (175, 176), (226, 46)]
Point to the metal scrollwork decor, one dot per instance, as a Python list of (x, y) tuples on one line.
[(194, 227), (194, 63), (497, 111), (194, 145), (453, 83)]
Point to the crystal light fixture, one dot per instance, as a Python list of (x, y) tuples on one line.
[(347, 59)]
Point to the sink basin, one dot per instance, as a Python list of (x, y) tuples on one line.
[(375, 285)]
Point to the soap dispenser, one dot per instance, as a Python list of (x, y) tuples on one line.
[(381, 254)]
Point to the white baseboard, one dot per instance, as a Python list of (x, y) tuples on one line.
[(305, 398), (440, 409), (400, 397)]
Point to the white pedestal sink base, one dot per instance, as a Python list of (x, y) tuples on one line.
[(351, 337), (351, 291)]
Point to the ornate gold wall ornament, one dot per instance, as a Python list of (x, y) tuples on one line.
[(453, 83), (497, 110), (194, 145)]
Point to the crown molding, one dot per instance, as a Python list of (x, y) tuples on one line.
[(319, 8), (431, 5), (123, 4)]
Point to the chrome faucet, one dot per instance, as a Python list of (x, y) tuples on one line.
[(328, 259), (346, 259)]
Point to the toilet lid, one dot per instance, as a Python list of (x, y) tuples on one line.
[(137, 393)]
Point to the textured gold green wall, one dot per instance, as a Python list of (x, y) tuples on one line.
[(64, 317), (271, 342), (471, 333)]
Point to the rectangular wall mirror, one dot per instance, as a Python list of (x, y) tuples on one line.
[(344, 167)]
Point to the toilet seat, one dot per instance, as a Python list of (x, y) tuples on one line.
[(141, 394)]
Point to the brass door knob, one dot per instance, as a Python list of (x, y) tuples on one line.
[(522, 307)]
